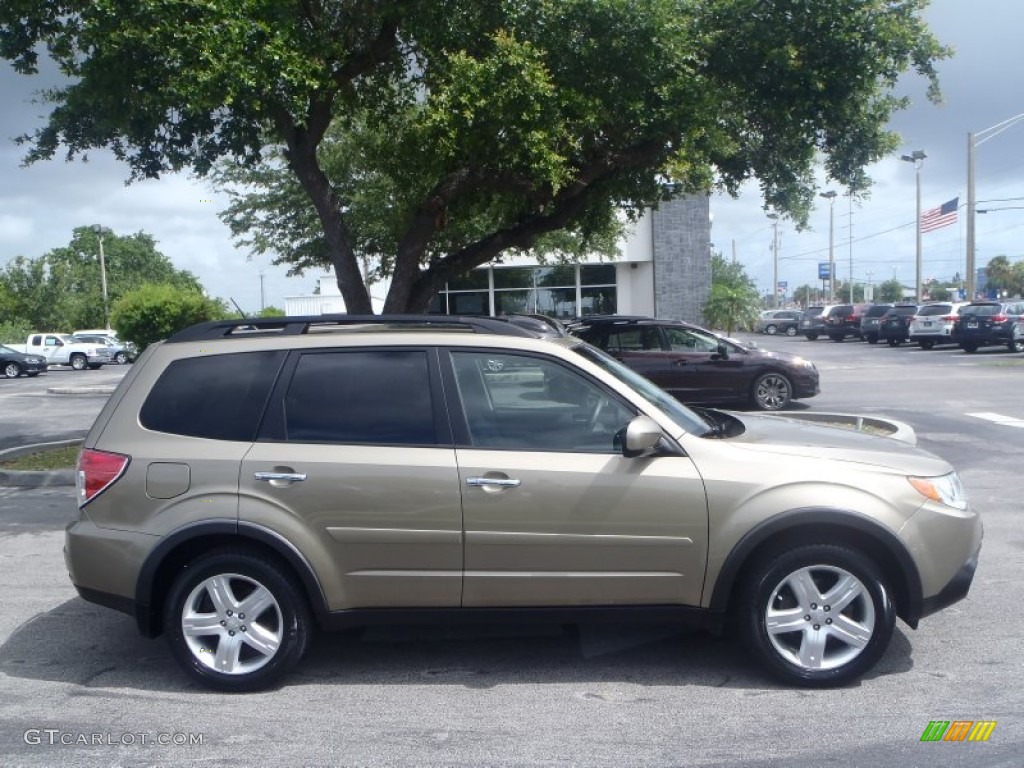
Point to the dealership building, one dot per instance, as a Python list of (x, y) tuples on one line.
[(663, 270)]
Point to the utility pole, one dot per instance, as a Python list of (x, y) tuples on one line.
[(917, 158), (775, 259), (831, 197)]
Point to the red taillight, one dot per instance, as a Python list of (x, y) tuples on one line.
[(950, 318), (999, 318), (97, 470)]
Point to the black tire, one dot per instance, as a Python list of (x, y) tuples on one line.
[(1015, 344), (771, 392), (78, 361), (837, 338), (872, 338), (811, 336), (791, 331), (849, 639), (12, 370), (771, 330), (969, 347), (926, 344), (283, 621), (894, 342), (121, 358)]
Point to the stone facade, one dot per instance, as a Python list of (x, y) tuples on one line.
[(682, 258)]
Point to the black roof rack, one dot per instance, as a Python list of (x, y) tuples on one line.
[(247, 327)]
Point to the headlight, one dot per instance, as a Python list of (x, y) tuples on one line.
[(946, 489)]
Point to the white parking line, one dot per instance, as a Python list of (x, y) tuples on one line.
[(998, 418)]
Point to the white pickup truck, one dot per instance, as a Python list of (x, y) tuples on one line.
[(62, 349)]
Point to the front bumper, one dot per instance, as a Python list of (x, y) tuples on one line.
[(955, 591)]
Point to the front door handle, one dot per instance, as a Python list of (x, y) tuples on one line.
[(280, 477), (500, 482)]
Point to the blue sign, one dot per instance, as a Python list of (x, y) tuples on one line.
[(824, 273)]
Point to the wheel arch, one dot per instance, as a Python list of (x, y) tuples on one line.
[(821, 525), (184, 545)]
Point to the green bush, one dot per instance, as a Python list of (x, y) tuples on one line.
[(14, 331), (155, 311)]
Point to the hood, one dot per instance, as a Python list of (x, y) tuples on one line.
[(786, 357), (794, 437)]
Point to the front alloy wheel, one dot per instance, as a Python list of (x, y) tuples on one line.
[(791, 331), (819, 615), (772, 392), (12, 370), (236, 622)]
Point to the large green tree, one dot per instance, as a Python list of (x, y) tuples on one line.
[(477, 127), (62, 289)]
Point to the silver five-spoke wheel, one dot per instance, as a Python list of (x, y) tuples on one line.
[(820, 617), (816, 615), (237, 619), (232, 623)]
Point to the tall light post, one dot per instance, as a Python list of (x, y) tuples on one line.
[(974, 140), (775, 259), (917, 158), (100, 231), (831, 197)]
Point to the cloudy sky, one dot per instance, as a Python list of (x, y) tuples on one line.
[(41, 204)]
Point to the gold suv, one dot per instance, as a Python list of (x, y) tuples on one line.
[(252, 480)]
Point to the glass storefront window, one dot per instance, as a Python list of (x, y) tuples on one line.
[(597, 274), (474, 303), (549, 290), (513, 277), (475, 280), (598, 301), (512, 302)]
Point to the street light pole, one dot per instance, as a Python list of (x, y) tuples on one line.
[(831, 197), (100, 232), (917, 158), (973, 141)]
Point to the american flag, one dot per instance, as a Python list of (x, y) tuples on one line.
[(943, 216)]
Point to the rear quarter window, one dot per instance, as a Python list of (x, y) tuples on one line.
[(219, 397), (935, 309)]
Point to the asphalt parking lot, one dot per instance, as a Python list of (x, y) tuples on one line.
[(79, 686)]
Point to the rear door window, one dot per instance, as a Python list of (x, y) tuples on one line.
[(366, 397)]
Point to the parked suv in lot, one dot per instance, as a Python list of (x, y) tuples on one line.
[(870, 321), (812, 324), (933, 323), (894, 327), (843, 320), (251, 480), (990, 323)]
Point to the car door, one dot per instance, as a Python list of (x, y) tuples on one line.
[(554, 514), (711, 376), (354, 464)]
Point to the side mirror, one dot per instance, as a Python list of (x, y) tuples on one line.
[(642, 435), (722, 353)]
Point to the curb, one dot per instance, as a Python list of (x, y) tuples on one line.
[(897, 430), (44, 479)]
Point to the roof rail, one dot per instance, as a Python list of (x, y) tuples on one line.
[(247, 327)]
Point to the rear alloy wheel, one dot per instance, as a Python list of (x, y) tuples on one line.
[(78, 362), (236, 621), (772, 392), (12, 370), (771, 330), (819, 615), (121, 358), (791, 331), (926, 344)]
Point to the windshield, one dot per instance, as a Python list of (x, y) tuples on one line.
[(653, 394)]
